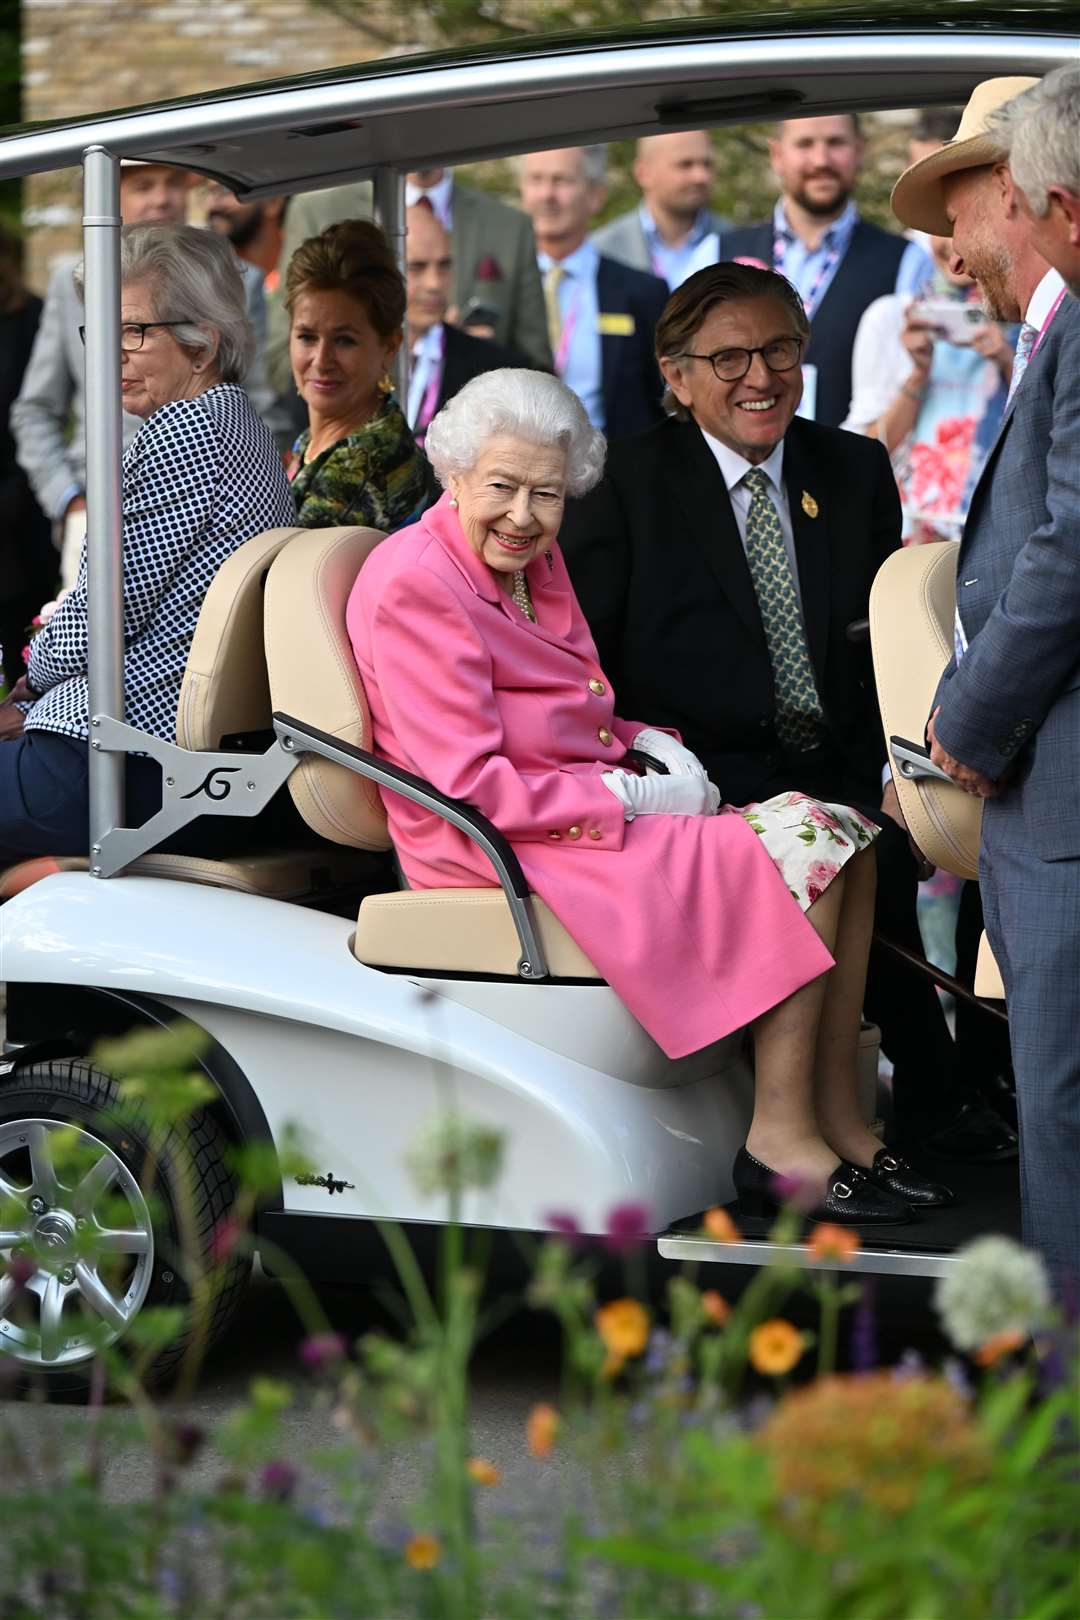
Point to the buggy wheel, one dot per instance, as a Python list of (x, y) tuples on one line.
[(100, 1218)]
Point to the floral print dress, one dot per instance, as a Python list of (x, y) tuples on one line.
[(376, 477), (807, 840)]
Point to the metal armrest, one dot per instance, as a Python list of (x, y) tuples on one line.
[(296, 737), (913, 761)]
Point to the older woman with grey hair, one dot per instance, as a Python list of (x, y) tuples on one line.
[(200, 477), (483, 678)]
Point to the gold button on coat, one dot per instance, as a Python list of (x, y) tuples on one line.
[(594, 832), (573, 832), (597, 687), (604, 735)]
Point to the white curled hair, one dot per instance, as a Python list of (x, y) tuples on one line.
[(526, 405)]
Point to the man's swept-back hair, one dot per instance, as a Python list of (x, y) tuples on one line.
[(1040, 133), (690, 305)]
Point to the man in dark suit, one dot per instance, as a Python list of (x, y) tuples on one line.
[(1006, 722), (837, 261), (442, 357), (601, 314), (721, 564)]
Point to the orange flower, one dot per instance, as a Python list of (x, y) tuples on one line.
[(715, 1306), (613, 1365), (1002, 1344), (482, 1472), (719, 1224), (541, 1428), (422, 1551), (775, 1347), (831, 1242), (624, 1327)]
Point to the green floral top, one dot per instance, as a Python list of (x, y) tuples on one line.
[(376, 478)]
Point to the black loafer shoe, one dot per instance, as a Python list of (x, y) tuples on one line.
[(976, 1135), (892, 1171), (853, 1198)]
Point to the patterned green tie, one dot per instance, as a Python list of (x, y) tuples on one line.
[(799, 716)]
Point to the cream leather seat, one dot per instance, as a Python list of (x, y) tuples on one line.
[(912, 606), (225, 695), (313, 678)]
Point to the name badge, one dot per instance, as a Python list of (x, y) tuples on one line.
[(615, 325)]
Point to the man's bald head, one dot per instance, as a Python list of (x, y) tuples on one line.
[(429, 265), (675, 173)]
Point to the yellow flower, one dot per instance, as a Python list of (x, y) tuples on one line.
[(613, 1365), (482, 1472), (775, 1347), (624, 1327), (719, 1224), (1002, 1344), (541, 1428), (715, 1306), (832, 1242), (422, 1551)]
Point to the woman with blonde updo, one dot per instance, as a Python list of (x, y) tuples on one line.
[(357, 461)]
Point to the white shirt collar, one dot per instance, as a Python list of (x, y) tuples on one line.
[(430, 343), (440, 196), (733, 467), (1042, 299), (582, 262)]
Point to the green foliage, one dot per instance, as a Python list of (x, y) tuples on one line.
[(877, 1496)]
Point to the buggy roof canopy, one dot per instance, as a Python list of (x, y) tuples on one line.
[(413, 112)]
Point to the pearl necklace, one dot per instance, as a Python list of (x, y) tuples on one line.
[(521, 596)]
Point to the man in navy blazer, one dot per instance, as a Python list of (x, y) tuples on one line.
[(601, 314), (1006, 720)]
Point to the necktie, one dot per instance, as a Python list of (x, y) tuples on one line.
[(799, 715), (552, 281), (1025, 347)]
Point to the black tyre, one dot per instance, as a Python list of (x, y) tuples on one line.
[(100, 1220)]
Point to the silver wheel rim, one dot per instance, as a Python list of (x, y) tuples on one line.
[(71, 1209)]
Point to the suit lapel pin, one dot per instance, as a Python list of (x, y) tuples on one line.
[(809, 505)]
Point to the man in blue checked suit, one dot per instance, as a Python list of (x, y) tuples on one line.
[(1006, 723)]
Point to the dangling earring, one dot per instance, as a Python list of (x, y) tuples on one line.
[(385, 384)]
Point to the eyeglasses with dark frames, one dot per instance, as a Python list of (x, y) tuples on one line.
[(132, 333), (782, 354)]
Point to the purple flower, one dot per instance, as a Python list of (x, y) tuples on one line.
[(910, 1365), (955, 1374), (183, 1442), (322, 1351), (561, 1221), (626, 1225), (20, 1268), (278, 1480), (800, 1192), (864, 1349)]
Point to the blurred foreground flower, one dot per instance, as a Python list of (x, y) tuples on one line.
[(626, 1225), (624, 1327), (541, 1428), (278, 1480), (719, 1224), (1002, 1344), (995, 1287), (322, 1351), (482, 1472), (871, 1436), (775, 1347), (716, 1308), (453, 1154), (831, 1242), (422, 1551)]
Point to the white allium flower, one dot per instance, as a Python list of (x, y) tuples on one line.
[(996, 1287), (453, 1154)]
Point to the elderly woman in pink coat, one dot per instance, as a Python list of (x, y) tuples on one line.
[(483, 678)]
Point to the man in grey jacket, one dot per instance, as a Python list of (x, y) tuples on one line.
[(494, 259), (49, 417), (673, 232), (1006, 720)]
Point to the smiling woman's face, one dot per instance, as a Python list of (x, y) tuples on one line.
[(510, 502)]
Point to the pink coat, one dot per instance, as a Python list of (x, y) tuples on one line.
[(685, 916)]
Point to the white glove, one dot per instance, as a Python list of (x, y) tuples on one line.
[(662, 795), (679, 760)]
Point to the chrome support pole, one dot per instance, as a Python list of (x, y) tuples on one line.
[(104, 446), (390, 212)]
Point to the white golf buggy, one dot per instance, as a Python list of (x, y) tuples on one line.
[(334, 999)]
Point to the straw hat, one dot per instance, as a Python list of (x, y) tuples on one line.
[(917, 197)]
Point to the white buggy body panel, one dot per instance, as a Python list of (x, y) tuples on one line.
[(360, 1059)]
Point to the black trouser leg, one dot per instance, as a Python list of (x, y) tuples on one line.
[(982, 1043)]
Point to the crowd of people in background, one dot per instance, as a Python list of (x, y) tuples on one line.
[(786, 402)]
